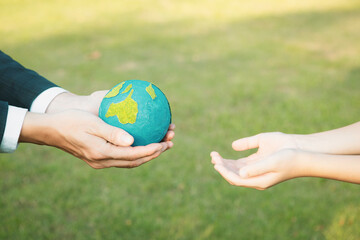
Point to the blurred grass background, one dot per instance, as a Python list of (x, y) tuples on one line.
[(230, 69)]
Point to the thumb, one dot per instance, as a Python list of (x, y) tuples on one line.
[(114, 135), (256, 169)]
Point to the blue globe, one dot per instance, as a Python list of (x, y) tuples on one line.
[(138, 107)]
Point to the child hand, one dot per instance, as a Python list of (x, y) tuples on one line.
[(260, 174), (271, 164)]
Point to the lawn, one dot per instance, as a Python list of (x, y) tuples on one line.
[(230, 69)]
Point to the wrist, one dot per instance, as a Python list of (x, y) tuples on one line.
[(36, 128), (304, 142), (297, 167), (303, 163), (311, 164), (60, 102)]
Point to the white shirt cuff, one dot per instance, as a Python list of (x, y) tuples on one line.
[(14, 122), (42, 101)]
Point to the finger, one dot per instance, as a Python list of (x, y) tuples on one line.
[(114, 135), (131, 164), (136, 162), (228, 175), (165, 145), (261, 182), (216, 158), (230, 164), (256, 169), (169, 136), (169, 145), (246, 143), (131, 153), (170, 133)]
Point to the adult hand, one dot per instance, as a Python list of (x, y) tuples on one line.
[(87, 137), (67, 100), (89, 103)]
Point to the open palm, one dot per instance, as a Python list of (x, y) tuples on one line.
[(266, 168)]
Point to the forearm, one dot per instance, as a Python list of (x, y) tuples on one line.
[(339, 167), (345, 140)]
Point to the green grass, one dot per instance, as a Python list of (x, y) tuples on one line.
[(230, 69)]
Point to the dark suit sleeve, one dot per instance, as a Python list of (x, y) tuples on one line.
[(19, 86), (3, 115)]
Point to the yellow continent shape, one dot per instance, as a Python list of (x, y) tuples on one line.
[(127, 89), (126, 111), (151, 91), (114, 91)]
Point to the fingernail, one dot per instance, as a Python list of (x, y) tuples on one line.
[(243, 173), (126, 139)]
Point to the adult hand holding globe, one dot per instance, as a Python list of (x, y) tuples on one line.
[(71, 123)]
